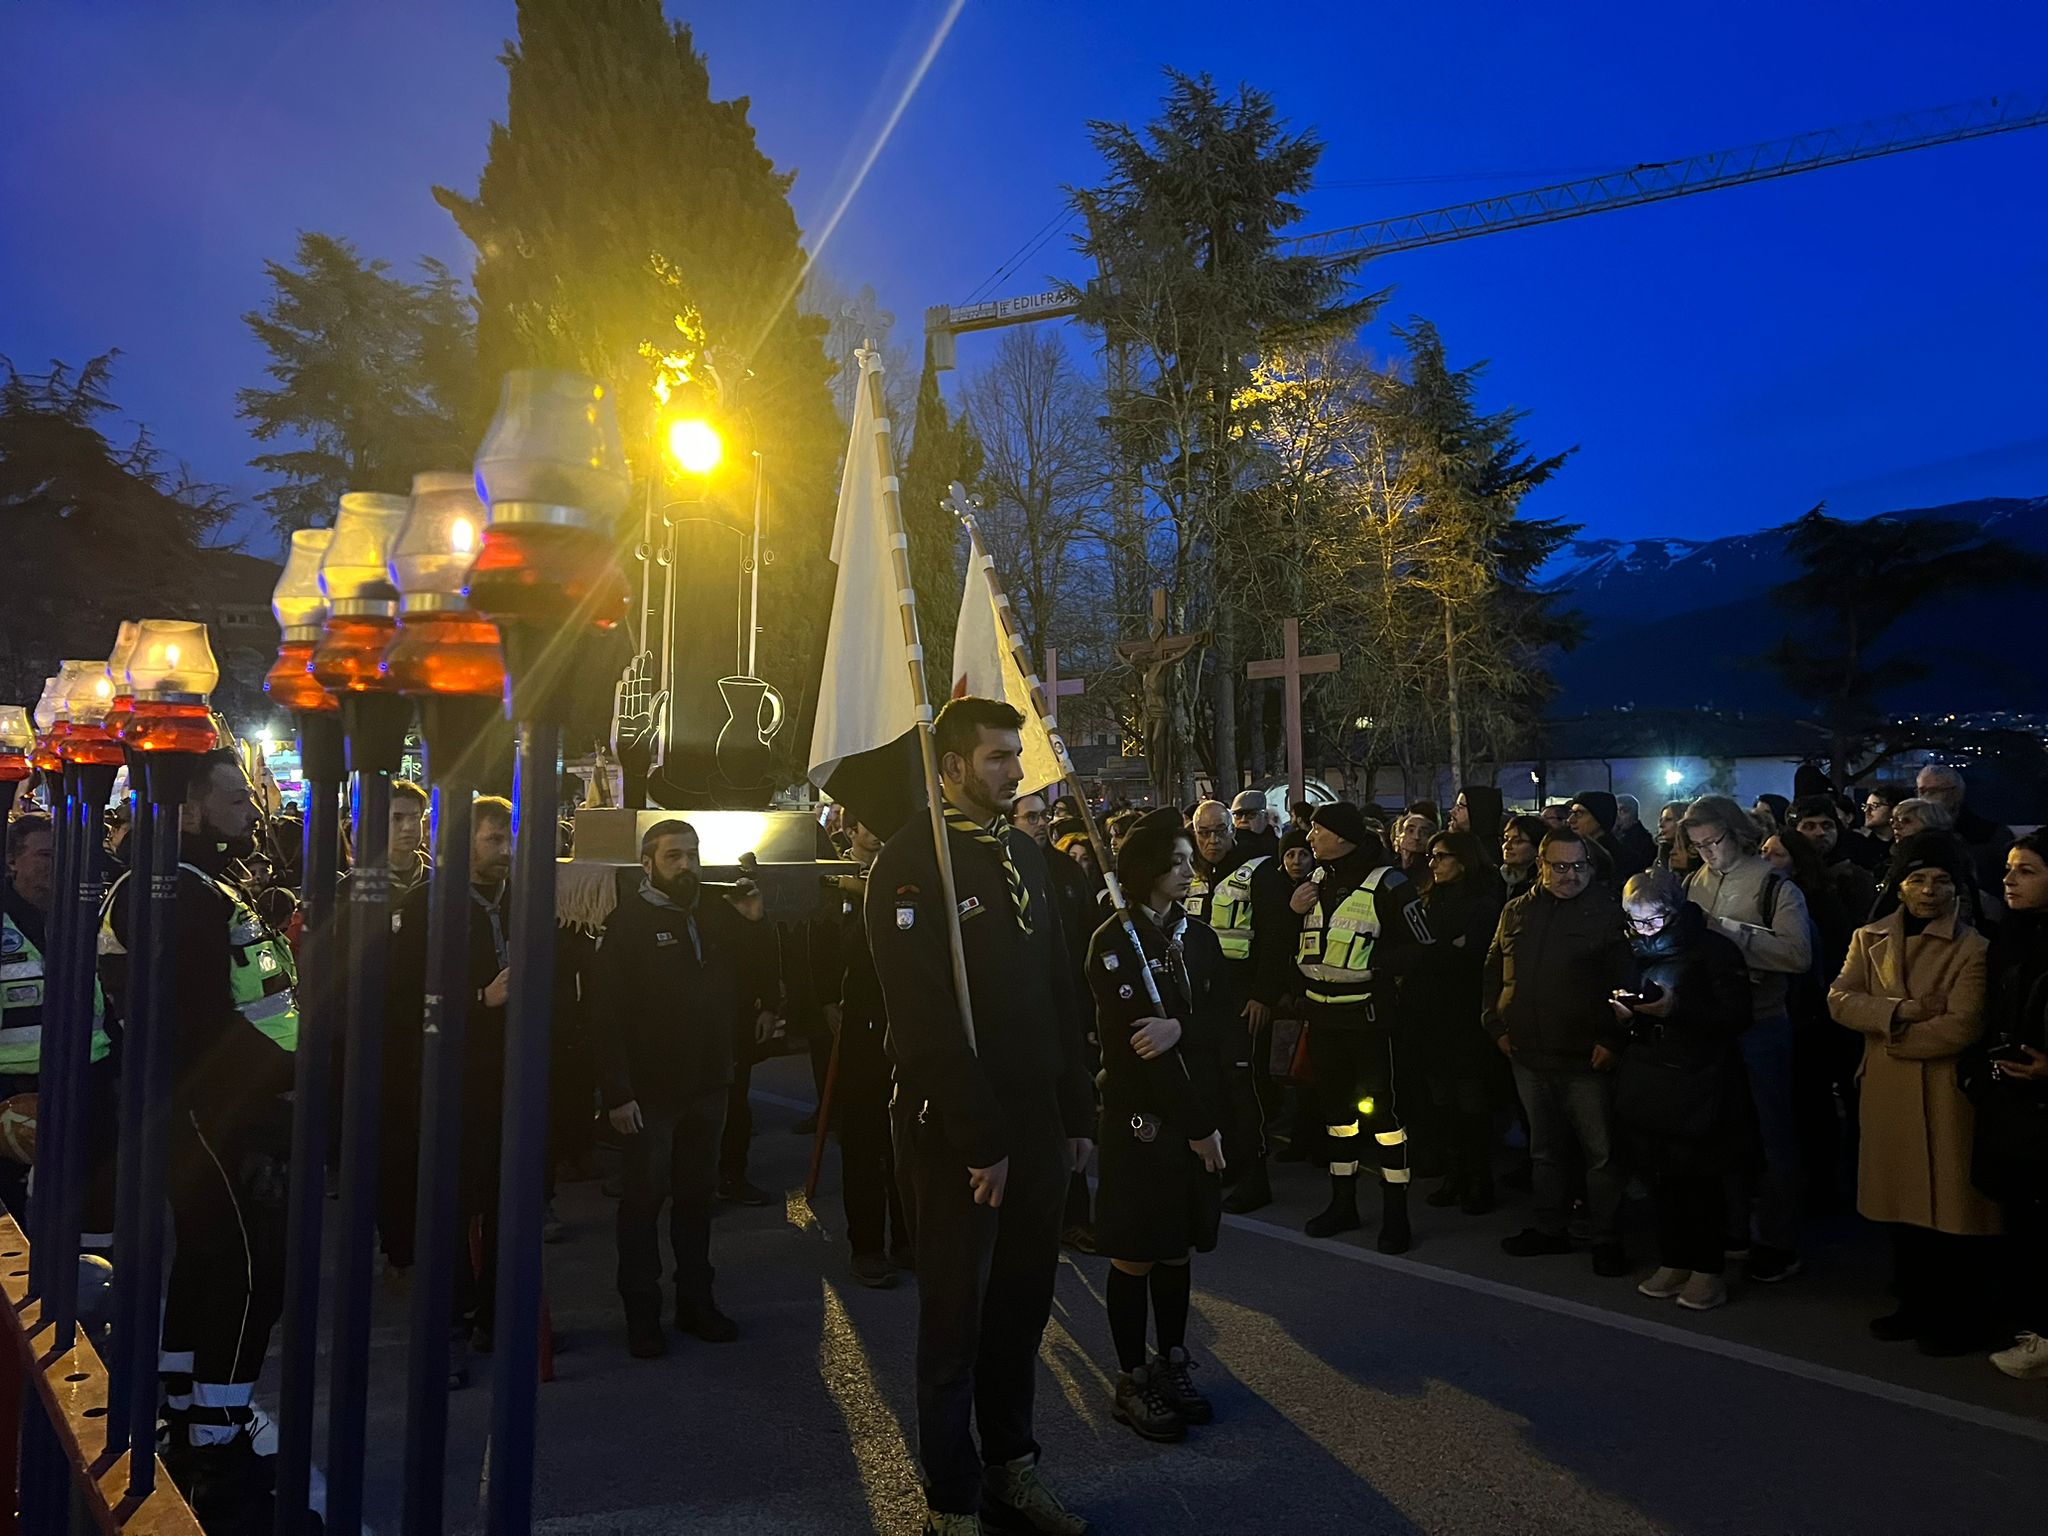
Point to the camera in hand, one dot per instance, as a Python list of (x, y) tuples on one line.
[(1647, 992)]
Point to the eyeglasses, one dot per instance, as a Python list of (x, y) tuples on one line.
[(1707, 844), (1442, 853), (1575, 867)]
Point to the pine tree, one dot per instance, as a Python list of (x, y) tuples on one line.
[(943, 448), (1184, 230), (371, 371), (628, 226), (95, 533)]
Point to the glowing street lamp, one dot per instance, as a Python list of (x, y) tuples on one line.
[(695, 445)]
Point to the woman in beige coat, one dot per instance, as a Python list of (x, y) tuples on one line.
[(1913, 987)]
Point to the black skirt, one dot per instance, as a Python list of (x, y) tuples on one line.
[(1153, 1199)]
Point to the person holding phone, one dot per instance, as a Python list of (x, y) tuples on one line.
[(1681, 1111), (1160, 1194), (2009, 1087)]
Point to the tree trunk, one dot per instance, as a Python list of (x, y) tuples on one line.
[(1452, 709), (1225, 737), (1257, 755)]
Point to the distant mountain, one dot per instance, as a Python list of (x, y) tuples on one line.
[(1678, 621)]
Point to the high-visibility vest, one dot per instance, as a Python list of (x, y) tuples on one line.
[(1199, 892), (262, 976), (1230, 910), (1335, 954), (21, 1004)]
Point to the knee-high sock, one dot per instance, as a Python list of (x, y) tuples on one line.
[(1125, 1294), (1170, 1286)]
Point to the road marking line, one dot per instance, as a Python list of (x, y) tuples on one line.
[(1664, 1333)]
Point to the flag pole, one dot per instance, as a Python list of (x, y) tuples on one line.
[(913, 656), (963, 507)]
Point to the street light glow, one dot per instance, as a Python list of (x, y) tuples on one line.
[(694, 445), (1672, 777)]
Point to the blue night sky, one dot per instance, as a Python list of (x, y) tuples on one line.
[(1871, 334)]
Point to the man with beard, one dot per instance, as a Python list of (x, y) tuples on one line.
[(988, 1128), (236, 1026), (1241, 893), (483, 1063), (673, 983)]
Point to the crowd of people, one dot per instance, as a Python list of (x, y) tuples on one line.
[(1741, 1014)]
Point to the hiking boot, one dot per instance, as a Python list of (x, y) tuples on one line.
[(937, 1522), (1251, 1192), (1172, 1371), (1014, 1499), (2026, 1360), (1395, 1236), (1143, 1403), (1531, 1242), (1610, 1260), (873, 1271), (1665, 1283), (1341, 1214), (705, 1320), (1767, 1265), (740, 1191), (1703, 1293)]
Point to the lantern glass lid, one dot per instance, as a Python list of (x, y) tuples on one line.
[(46, 706), (297, 599), (172, 657), (433, 552), (118, 657), (355, 567), (16, 734), (553, 453), (84, 692)]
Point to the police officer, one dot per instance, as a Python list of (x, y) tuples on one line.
[(1361, 923), (25, 902), (1240, 891), (986, 1133), (237, 1026)]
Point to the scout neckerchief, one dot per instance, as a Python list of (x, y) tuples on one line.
[(960, 822), (1172, 924)]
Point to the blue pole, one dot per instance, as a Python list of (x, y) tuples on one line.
[(312, 1066), (131, 1294), (536, 786)]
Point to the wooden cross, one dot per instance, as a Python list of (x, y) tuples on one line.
[(1291, 668), (1154, 656), (1055, 688)]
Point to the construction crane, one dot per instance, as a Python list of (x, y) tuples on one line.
[(1650, 183)]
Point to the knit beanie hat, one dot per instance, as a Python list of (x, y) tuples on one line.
[(1344, 819), (1599, 805), (1928, 850)]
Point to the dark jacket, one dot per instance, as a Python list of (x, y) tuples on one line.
[(483, 1037), (1550, 971), (230, 1075), (2009, 1154), (1635, 850), (674, 991), (864, 1067), (1182, 1087), (1679, 1096), (1029, 1018), (1442, 995)]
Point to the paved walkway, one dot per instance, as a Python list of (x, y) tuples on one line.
[(1453, 1390)]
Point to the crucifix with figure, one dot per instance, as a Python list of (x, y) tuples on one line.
[(1291, 668), (1154, 656)]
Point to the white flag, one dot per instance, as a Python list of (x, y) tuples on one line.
[(985, 665), (864, 745)]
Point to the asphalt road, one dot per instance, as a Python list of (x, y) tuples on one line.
[(1453, 1390)]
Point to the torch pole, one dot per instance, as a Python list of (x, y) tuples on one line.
[(321, 752), (165, 776), (67, 1055), (132, 1293), (508, 1509), (374, 724), (451, 726)]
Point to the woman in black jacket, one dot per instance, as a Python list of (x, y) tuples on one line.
[(2007, 1080), (1441, 997), (1159, 1194), (1680, 1099)]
